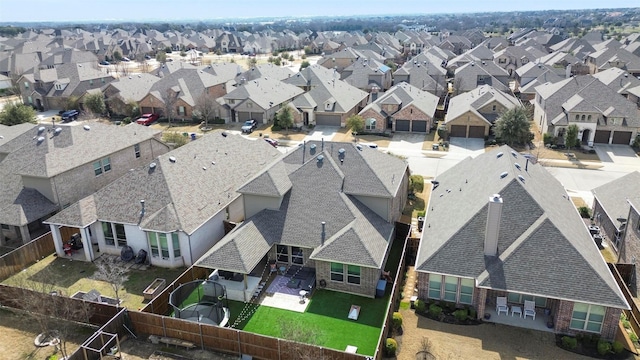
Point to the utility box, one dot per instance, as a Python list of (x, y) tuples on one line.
[(380, 288)]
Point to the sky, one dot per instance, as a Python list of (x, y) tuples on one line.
[(146, 10)]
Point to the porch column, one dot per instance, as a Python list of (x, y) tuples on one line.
[(86, 244), (611, 137), (57, 240), (481, 299), (24, 233), (244, 293)]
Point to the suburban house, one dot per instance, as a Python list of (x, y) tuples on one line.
[(472, 114), (174, 206), (51, 88), (128, 89), (521, 239), (608, 57), (259, 99), (616, 211), (601, 114), (402, 108), (340, 60), (474, 74), (264, 71), (533, 74), (368, 75), (327, 209), (514, 57), (425, 72), (619, 81), (45, 168)]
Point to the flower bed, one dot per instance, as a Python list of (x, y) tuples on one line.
[(591, 345), (447, 312)]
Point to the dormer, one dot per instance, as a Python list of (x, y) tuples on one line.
[(329, 104), (61, 84)]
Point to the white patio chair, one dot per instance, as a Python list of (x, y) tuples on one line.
[(501, 305), (530, 309)]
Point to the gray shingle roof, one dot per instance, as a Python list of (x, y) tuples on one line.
[(543, 243), (406, 95), (265, 92), (346, 96), (613, 196), (476, 100)]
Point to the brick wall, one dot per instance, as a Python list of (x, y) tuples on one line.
[(631, 246), (563, 320), (606, 224), (368, 280), (469, 119), (411, 112), (381, 122)]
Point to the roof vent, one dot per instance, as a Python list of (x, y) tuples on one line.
[(516, 165), (312, 146), (152, 165), (40, 139), (499, 155), (41, 129), (224, 134), (359, 147), (515, 154), (504, 175), (57, 131), (320, 158), (87, 127), (172, 159), (521, 178), (341, 151)]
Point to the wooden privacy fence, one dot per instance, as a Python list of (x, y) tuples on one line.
[(160, 304), (19, 259), (634, 314)]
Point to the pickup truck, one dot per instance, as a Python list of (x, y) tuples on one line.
[(69, 115), (147, 119)]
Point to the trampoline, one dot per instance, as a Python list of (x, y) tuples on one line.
[(201, 301)]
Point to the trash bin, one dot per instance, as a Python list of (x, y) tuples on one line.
[(193, 136), (420, 223)]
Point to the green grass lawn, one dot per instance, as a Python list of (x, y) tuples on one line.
[(326, 320)]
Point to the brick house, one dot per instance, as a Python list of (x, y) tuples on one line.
[(402, 108), (328, 208), (46, 169), (520, 237)]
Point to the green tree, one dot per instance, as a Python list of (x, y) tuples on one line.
[(416, 183), (95, 103), (304, 64), (513, 126), (15, 113), (252, 62), (117, 56), (355, 122), (391, 65), (161, 57), (285, 118), (307, 50), (571, 137)]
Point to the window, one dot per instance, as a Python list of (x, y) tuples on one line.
[(493, 108), (114, 234), (502, 61), (353, 274), (90, 81), (587, 317), (29, 99), (176, 245), (370, 124), (121, 236), (107, 230), (136, 150), (466, 291), (181, 110), (159, 244), (249, 104), (102, 79), (337, 272), (588, 117), (520, 298), (577, 117), (5, 227), (102, 166), (232, 101), (283, 253), (296, 255), (450, 288), (435, 283), (26, 85), (582, 117)]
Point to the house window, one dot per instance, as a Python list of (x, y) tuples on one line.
[(493, 108), (588, 117), (296, 255), (450, 288), (587, 317), (159, 244), (283, 253), (370, 124), (136, 150), (249, 104), (232, 101), (90, 81), (577, 117), (176, 245), (102, 79), (466, 291), (520, 298), (353, 274), (181, 110), (4, 227), (30, 99), (435, 283), (26, 85), (102, 166), (114, 234), (582, 117), (337, 272), (502, 61)]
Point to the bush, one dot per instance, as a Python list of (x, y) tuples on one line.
[(633, 337), (435, 311), (604, 347), (461, 314), (218, 121), (547, 138), (276, 128), (391, 347), (473, 314), (416, 183), (617, 347), (569, 343), (585, 212), (420, 306), (421, 213), (396, 320)]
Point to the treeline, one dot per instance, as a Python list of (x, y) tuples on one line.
[(10, 31)]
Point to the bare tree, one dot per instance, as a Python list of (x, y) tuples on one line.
[(205, 107), (170, 97), (112, 272)]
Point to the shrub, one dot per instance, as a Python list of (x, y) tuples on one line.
[(569, 343), (633, 337), (416, 183), (604, 347), (218, 121), (420, 306), (461, 314), (547, 138), (396, 320), (451, 306), (617, 347), (585, 212), (276, 128), (473, 314), (391, 347), (435, 311), (421, 213)]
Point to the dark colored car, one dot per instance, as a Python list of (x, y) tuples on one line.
[(249, 126), (104, 62), (147, 119), (69, 115), (271, 141)]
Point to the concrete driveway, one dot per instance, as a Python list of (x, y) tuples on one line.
[(617, 154), (406, 142), (322, 132), (463, 147)]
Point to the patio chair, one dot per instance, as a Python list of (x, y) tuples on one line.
[(501, 305), (530, 309)]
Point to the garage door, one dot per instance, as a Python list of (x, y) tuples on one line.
[(476, 132), (602, 137), (458, 131), (621, 137), (419, 126), (402, 125), (243, 116), (331, 120)]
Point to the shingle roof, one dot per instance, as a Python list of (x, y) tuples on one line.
[(613, 196), (346, 97), (543, 243), (406, 95), (265, 92), (476, 99)]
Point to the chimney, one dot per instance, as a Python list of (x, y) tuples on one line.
[(494, 213), (323, 232)]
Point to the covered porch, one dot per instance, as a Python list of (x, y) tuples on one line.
[(515, 311), (85, 247), (514, 319)]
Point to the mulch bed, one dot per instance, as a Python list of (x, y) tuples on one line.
[(447, 317), (590, 349)]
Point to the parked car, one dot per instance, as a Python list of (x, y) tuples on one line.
[(147, 57), (104, 62), (271, 141), (249, 126), (147, 119), (69, 115), (125, 59)]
